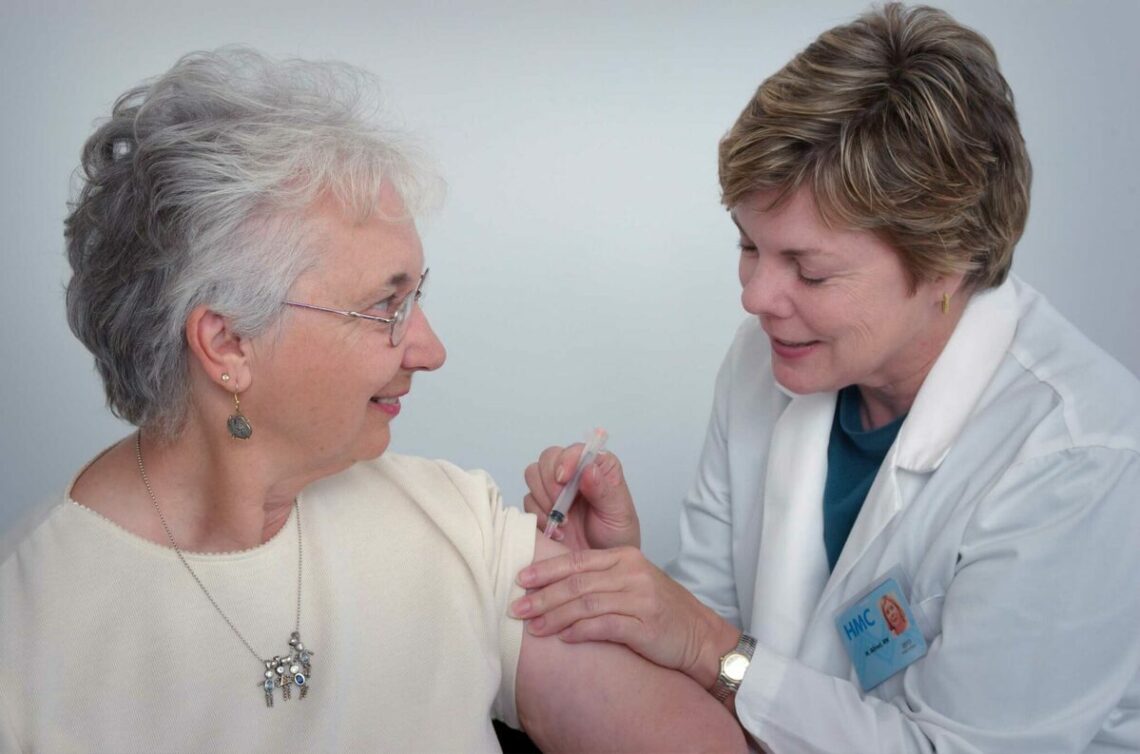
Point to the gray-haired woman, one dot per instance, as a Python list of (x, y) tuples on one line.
[(248, 572)]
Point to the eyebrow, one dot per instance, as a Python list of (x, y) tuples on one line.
[(784, 252), (395, 282), (398, 280)]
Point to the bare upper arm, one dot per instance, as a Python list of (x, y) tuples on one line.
[(599, 696)]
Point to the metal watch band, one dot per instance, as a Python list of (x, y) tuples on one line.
[(724, 685)]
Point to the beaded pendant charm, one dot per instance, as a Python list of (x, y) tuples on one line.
[(284, 673), (239, 427), (237, 424)]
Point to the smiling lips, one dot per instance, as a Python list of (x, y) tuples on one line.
[(788, 349), (390, 406)]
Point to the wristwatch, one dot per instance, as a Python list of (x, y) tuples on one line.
[(733, 666)]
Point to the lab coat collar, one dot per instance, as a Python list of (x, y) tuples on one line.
[(947, 398), (961, 373)]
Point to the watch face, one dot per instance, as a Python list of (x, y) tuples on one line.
[(735, 665)]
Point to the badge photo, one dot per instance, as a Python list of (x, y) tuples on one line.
[(880, 632)]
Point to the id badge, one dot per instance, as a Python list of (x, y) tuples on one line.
[(880, 632)]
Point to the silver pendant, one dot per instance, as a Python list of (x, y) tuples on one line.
[(284, 673)]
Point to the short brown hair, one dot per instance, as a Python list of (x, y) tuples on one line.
[(900, 123)]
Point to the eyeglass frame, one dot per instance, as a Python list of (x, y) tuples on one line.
[(403, 312)]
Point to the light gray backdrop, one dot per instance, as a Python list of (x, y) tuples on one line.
[(583, 272)]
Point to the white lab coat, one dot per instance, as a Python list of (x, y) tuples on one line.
[(1011, 502)]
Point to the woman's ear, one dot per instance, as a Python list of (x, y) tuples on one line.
[(946, 289), (218, 349)]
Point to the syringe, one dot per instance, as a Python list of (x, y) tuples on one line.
[(594, 446)]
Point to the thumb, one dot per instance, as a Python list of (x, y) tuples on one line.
[(603, 484)]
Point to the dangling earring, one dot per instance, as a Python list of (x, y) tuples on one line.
[(237, 424), (945, 303)]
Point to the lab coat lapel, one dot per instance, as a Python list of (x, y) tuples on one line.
[(791, 566)]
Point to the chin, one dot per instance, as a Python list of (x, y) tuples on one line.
[(800, 383), (372, 447)]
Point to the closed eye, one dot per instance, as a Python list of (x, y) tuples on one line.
[(806, 277)]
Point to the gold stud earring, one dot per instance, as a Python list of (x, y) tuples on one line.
[(945, 303), (225, 376), (237, 424)]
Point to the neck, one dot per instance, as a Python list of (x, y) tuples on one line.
[(879, 407), (888, 397), (216, 494)]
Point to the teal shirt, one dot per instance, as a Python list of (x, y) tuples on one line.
[(853, 458)]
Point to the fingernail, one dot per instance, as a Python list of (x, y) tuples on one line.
[(526, 575), (558, 535), (559, 475), (536, 625), (520, 607)]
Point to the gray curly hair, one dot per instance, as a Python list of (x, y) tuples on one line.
[(193, 193)]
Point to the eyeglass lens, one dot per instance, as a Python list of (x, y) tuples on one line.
[(404, 313)]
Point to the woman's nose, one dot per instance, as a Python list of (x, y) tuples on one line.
[(423, 350), (765, 290)]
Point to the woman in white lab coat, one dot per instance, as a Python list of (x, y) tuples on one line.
[(898, 416)]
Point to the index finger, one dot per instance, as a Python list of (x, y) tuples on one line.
[(545, 572), (563, 463)]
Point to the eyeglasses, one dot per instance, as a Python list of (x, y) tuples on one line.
[(397, 324)]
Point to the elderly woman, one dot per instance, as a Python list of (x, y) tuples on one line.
[(898, 415), (249, 571)]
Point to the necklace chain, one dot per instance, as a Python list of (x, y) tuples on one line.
[(295, 641)]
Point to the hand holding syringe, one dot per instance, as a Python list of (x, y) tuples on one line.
[(594, 446)]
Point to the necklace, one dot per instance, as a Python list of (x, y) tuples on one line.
[(282, 671)]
